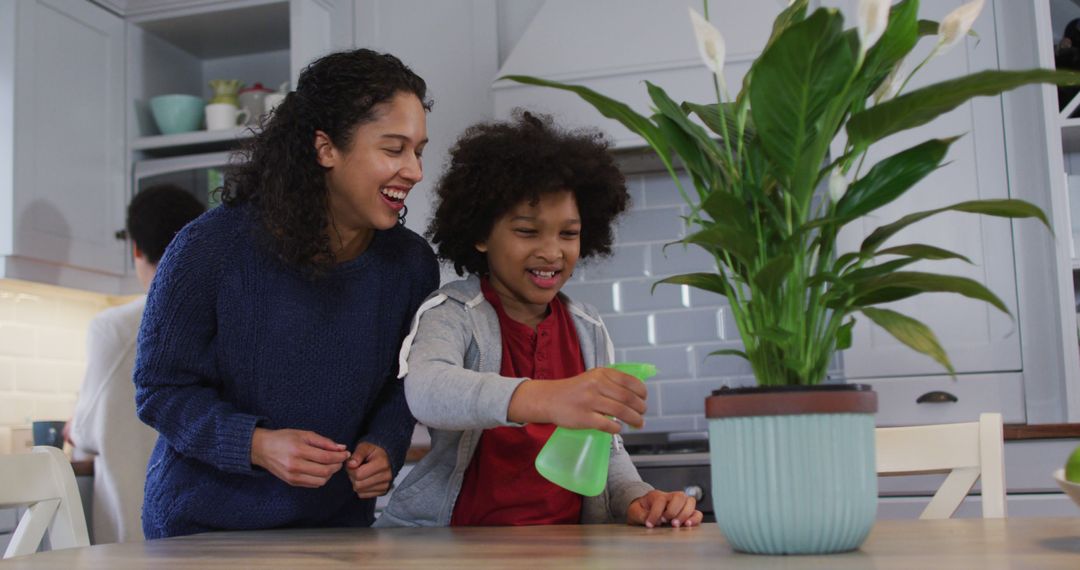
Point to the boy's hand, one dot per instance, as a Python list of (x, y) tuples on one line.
[(299, 458), (369, 470), (656, 508), (586, 401)]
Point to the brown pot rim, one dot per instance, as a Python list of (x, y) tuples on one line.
[(791, 400)]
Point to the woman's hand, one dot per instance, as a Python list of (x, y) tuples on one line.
[(657, 507), (588, 401), (369, 471), (299, 458)]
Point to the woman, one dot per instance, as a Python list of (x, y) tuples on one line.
[(267, 353)]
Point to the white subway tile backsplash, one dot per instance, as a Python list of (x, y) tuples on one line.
[(42, 349), (653, 224), (628, 330), (596, 294), (665, 423), (55, 407), (702, 298), (7, 374), (678, 259), (686, 397), (61, 344), (672, 362), (7, 306), (719, 365), (36, 310), (17, 409), (625, 261), (16, 340), (48, 376), (660, 189), (686, 326), (638, 295)]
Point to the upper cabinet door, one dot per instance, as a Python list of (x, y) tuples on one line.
[(977, 337), (69, 135)]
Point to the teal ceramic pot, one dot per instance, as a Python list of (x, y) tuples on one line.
[(177, 113), (793, 468)]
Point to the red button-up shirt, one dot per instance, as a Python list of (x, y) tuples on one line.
[(501, 485)]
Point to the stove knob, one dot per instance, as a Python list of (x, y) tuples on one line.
[(694, 491)]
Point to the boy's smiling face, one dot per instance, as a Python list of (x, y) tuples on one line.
[(531, 253)]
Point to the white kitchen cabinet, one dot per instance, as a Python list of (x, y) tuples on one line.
[(1003, 364), (1036, 172), (61, 143)]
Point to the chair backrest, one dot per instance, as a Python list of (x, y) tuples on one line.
[(965, 451), (44, 482)]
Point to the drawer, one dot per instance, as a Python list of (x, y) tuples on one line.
[(975, 394)]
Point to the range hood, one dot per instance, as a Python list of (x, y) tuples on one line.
[(614, 46)]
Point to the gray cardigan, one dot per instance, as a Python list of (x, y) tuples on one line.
[(451, 368)]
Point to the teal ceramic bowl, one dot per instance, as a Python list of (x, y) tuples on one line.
[(177, 113)]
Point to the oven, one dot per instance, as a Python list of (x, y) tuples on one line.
[(674, 462)]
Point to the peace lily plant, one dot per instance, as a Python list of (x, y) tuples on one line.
[(761, 155)]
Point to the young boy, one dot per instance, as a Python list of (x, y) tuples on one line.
[(496, 361)]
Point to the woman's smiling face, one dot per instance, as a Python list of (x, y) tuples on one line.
[(531, 253), (368, 181)]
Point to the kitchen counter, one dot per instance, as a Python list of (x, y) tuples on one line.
[(958, 544)]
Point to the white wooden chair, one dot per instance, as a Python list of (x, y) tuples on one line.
[(44, 482), (966, 451)]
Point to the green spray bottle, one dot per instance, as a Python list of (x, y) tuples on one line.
[(577, 459)]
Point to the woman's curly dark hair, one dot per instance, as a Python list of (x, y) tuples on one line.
[(495, 166), (278, 172)]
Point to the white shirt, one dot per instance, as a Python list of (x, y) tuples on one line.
[(105, 424)]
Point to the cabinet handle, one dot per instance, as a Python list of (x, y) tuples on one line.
[(694, 491), (121, 235), (936, 397)]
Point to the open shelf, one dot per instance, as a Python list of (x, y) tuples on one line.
[(195, 141)]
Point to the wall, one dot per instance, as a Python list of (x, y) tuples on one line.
[(42, 350)]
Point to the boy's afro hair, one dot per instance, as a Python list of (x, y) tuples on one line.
[(495, 166)]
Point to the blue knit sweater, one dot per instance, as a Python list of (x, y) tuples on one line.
[(232, 339)]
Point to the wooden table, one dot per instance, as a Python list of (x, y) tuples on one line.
[(911, 544)]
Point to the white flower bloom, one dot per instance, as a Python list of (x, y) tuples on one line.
[(710, 43), (873, 16), (890, 86), (956, 25), (837, 185)]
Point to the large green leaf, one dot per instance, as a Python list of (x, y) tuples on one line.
[(716, 238), (795, 80), (685, 147), (857, 275), (712, 282), (843, 334), (719, 117), (1003, 208), (726, 209), (922, 251), (607, 106), (670, 109), (924, 105), (771, 275), (903, 284), (891, 178), (910, 332)]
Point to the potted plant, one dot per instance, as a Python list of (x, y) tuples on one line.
[(793, 460)]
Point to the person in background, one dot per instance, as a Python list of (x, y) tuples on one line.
[(104, 424), (267, 354), (497, 360)]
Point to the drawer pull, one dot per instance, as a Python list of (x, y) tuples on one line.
[(936, 397)]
